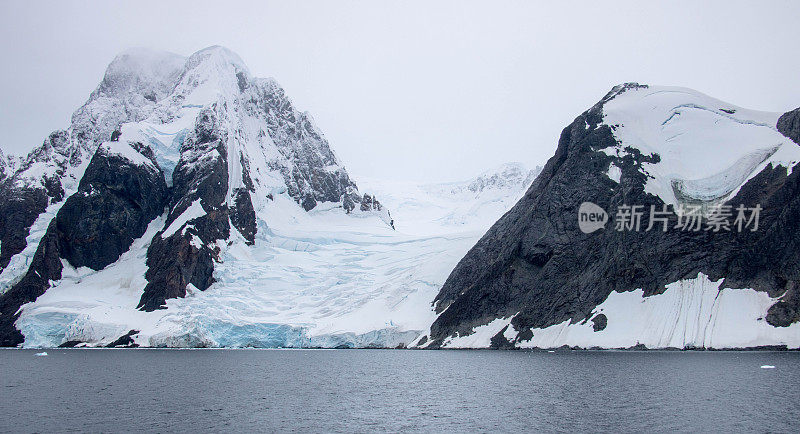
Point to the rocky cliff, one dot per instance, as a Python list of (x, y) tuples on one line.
[(535, 279)]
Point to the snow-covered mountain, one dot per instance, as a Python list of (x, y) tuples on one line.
[(466, 206), (537, 279), (174, 163), (190, 204)]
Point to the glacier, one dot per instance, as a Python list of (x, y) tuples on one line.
[(319, 279)]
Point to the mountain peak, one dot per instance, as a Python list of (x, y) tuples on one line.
[(512, 175), (150, 73), (219, 56)]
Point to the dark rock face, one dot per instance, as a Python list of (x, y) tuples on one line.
[(499, 341), (124, 341), (349, 202), (184, 256), (22, 200), (116, 200), (70, 344), (19, 208), (536, 263), (172, 264), (4, 166), (599, 322), (308, 180), (789, 125), (243, 216), (45, 266), (368, 203)]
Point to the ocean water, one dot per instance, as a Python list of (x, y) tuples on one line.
[(397, 391)]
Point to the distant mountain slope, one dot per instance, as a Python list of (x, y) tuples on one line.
[(536, 279), (471, 205)]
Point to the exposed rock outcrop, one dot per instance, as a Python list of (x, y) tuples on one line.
[(116, 200), (185, 251)]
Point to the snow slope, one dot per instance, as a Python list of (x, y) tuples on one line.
[(707, 148), (691, 313), (312, 279), (471, 205)]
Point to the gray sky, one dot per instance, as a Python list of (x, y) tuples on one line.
[(424, 91)]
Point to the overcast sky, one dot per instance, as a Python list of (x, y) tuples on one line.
[(424, 91)]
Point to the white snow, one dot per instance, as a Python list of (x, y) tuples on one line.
[(467, 206), (481, 336), (614, 172), (164, 139), (689, 313), (767, 367), (318, 279), (126, 150), (194, 211), (706, 152)]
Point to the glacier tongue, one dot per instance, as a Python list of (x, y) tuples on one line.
[(319, 279)]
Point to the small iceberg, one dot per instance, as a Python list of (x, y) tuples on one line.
[(42, 354), (767, 367)]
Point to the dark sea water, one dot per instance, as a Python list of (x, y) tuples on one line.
[(397, 391)]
